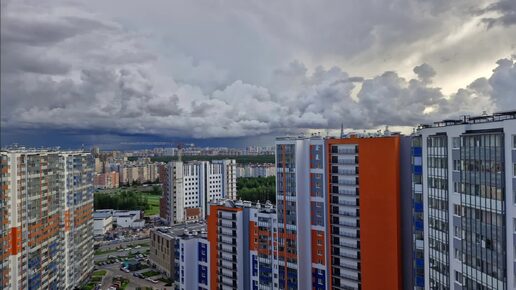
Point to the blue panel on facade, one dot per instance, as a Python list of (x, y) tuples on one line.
[(419, 225), (417, 151), (319, 280), (203, 257), (420, 281), (417, 169), (420, 263), (418, 206)]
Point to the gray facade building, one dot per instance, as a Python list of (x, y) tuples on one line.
[(469, 193)]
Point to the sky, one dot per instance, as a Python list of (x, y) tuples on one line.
[(234, 73)]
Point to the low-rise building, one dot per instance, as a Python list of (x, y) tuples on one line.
[(122, 218), (182, 255), (102, 225)]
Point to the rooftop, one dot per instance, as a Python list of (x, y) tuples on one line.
[(267, 206), (189, 230), (466, 119)]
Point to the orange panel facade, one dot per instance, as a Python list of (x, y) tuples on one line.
[(212, 222), (380, 231), (15, 244), (318, 251)]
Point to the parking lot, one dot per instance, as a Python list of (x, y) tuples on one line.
[(134, 282)]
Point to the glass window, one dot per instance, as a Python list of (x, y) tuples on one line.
[(514, 141), (456, 142)]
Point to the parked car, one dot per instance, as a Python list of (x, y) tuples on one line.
[(125, 270)]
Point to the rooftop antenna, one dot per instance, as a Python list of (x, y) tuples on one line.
[(342, 130)]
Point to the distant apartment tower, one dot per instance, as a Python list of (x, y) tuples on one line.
[(469, 193), (107, 180), (189, 187), (46, 207), (256, 170), (228, 168), (141, 173)]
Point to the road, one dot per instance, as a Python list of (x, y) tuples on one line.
[(114, 270), (116, 244), (122, 254)]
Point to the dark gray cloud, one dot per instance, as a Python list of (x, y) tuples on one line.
[(425, 72), (506, 13), (65, 67)]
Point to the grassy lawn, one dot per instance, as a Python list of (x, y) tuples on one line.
[(124, 284), (153, 201), (150, 273), (95, 279), (166, 281), (99, 273)]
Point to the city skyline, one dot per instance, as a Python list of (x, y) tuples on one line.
[(234, 73)]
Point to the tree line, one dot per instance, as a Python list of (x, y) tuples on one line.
[(257, 189), (125, 200)]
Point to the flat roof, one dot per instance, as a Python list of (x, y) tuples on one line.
[(467, 119), (179, 230)]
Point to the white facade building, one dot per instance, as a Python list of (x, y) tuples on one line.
[(189, 187), (101, 225), (121, 218)]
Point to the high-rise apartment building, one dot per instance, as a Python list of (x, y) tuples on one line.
[(242, 240), (365, 195), (46, 207), (418, 259), (302, 221), (189, 187), (228, 171), (469, 194)]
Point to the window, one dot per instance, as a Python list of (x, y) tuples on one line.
[(514, 141), (458, 277), (514, 171), (456, 142)]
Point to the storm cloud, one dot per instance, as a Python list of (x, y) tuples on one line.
[(187, 70)]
